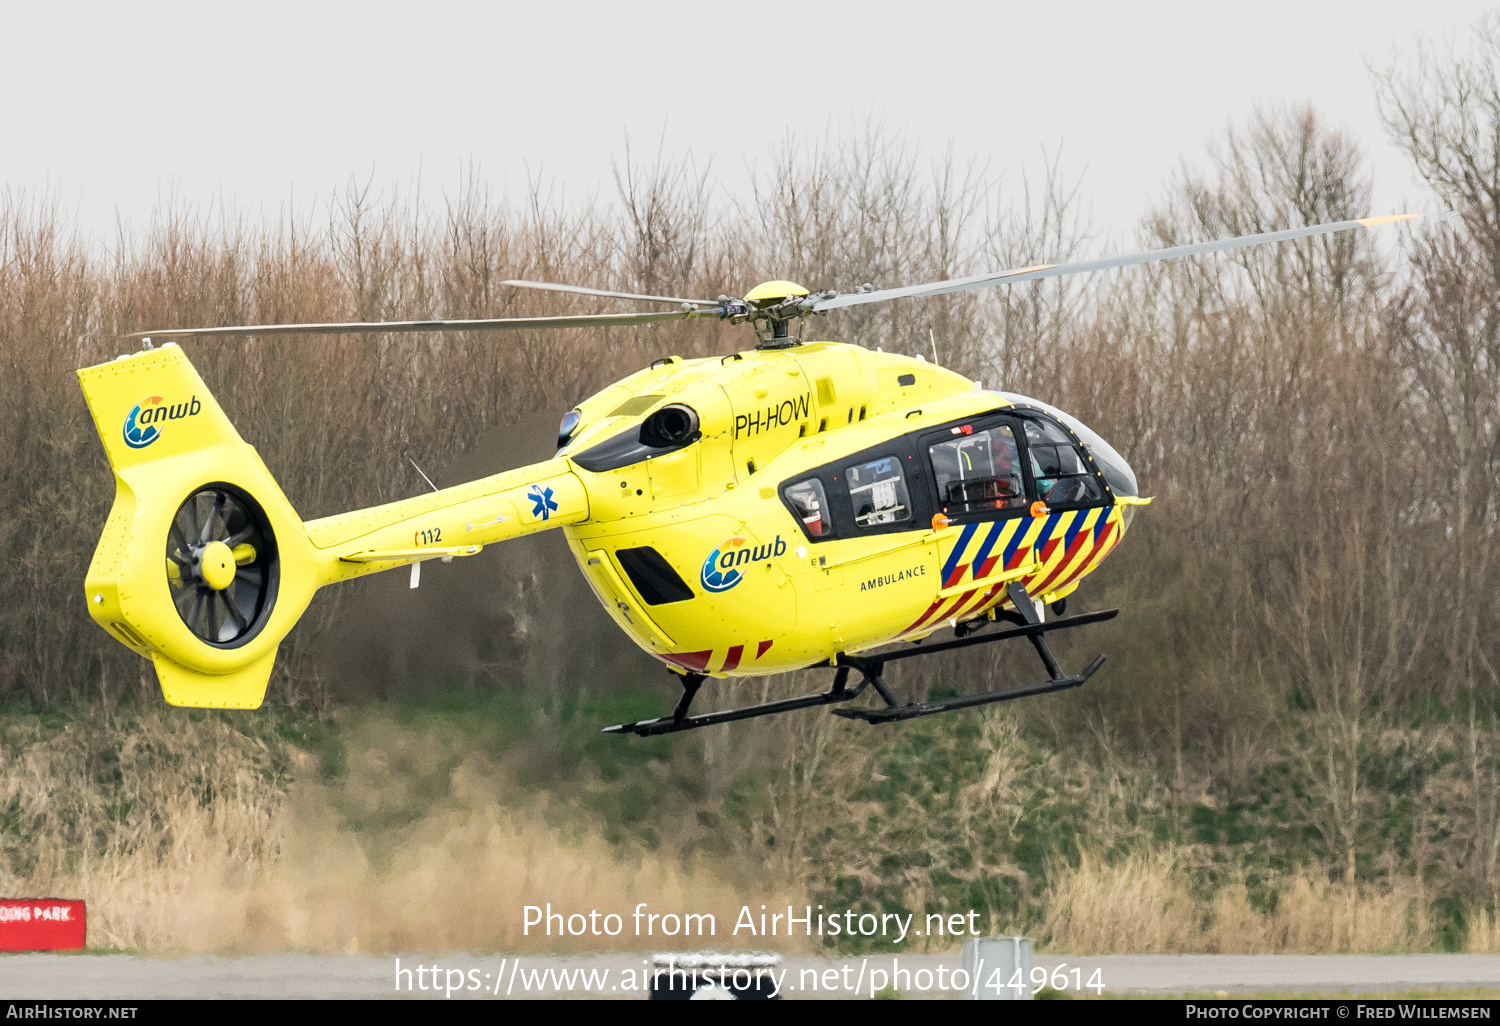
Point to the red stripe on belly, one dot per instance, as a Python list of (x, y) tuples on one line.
[(919, 621), (989, 597), (1016, 559), (732, 660), (1046, 552), (956, 609), (697, 662), (761, 649), (954, 606), (974, 608)]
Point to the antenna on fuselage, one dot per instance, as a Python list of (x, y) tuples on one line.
[(424, 478)]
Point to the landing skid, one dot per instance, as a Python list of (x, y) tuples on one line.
[(871, 669), (691, 682)]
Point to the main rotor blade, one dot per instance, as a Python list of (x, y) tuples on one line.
[(581, 291), (381, 327), (1020, 274)]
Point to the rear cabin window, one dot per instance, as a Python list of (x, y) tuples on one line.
[(810, 503), (877, 490), (1062, 476), (978, 472)]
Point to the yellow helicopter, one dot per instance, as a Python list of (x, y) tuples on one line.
[(800, 504)]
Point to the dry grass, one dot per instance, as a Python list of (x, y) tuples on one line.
[(457, 881), (1146, 905), (1482, 937)]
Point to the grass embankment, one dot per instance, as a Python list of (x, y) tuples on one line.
[(428, 827)]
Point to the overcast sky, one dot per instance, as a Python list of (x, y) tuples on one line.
[(112, 106)]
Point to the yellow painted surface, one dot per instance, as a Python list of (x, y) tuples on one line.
[(771, 291)]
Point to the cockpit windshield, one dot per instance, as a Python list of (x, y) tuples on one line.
[(1116, 471)]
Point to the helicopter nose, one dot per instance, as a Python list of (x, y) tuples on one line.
[(1119, 474)]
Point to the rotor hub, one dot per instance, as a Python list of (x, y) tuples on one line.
[(215, 565), (774, 293)]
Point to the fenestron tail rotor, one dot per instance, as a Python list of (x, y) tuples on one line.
[(772, 306), (221, 565)]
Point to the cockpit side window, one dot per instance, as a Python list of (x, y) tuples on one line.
[(1061, 475), (878, 491), (978, 471), (809, 503)]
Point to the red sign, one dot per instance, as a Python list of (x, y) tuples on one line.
[(41, 924)]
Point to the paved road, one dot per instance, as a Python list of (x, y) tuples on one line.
[(126, 977)]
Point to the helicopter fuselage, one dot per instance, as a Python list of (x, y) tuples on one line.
[(817, 510)]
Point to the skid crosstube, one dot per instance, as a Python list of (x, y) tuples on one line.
[(871, 668)]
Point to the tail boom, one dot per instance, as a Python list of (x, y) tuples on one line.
[(457, 521)]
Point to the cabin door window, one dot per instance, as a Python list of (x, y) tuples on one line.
[(978, 471)]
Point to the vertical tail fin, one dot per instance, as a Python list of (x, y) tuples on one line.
[(197, 566)]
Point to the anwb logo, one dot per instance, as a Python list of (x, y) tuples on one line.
[(721, 569), (142, 420)]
